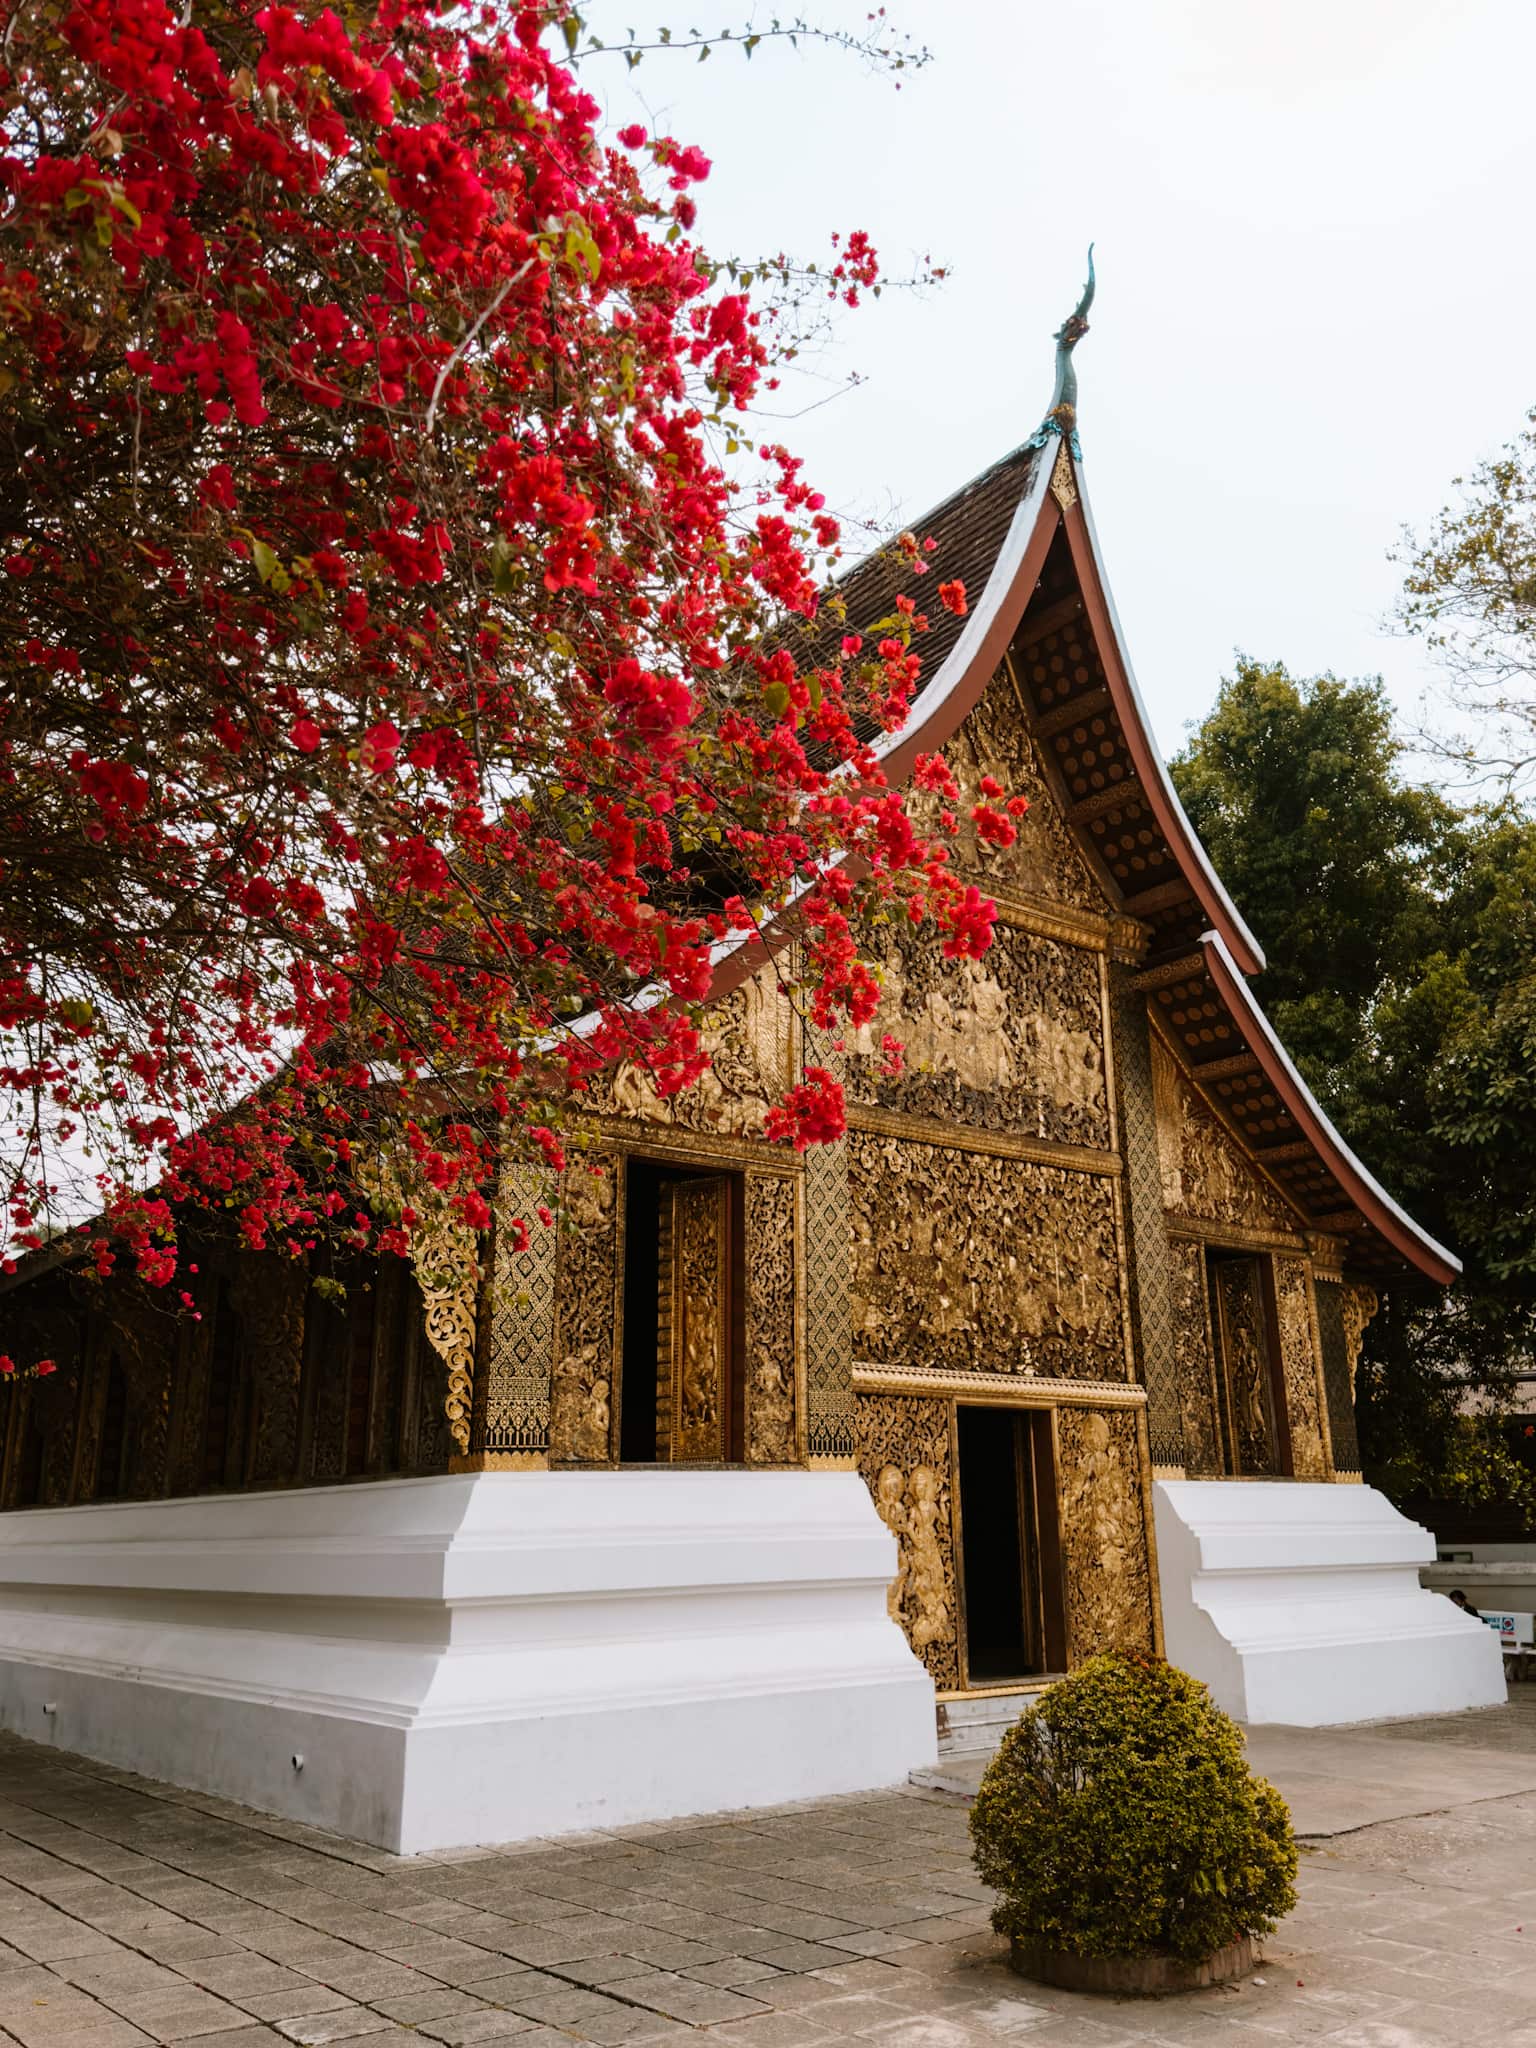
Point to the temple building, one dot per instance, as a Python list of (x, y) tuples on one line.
[(762, 1469)]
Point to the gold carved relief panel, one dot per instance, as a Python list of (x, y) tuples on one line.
[(1011, 1042), (590, 1281), (1309, 1459), (1205, 1176), (693, 1338), (773, 1319), (1199, 1400), (1101, 1482), (1242, 1332), (904, 1455), (962, 1259), (748, 1036)]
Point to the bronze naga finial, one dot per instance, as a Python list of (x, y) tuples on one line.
[(1062, 416)]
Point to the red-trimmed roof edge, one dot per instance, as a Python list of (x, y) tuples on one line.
[(1194, 862), (1363, 1189)]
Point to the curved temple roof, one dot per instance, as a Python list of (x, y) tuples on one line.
[(1021, 537)]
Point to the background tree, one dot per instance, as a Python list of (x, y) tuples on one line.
[(1400, 931), (1470, 593), (396, 711)]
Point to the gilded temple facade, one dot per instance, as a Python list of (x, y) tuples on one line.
[(1092, 1235)]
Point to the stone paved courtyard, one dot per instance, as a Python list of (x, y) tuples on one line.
[(134, 1913)]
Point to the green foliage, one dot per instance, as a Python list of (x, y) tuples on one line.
[(1120, 1818), (1400, 929)]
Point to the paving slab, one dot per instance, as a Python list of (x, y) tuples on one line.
[(842, 1921)]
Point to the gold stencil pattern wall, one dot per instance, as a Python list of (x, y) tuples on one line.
[(904, 1457), (962, 1259), (512, 1383), (1104, 1533), (832, 1418)]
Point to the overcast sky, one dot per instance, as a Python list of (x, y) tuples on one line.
[(1317, 281)]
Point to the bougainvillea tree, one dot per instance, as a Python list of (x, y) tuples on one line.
[(397, 708)]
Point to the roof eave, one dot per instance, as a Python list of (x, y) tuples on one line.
[(1194, 862), (1392, 1222)]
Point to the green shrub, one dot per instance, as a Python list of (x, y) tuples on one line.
[(1120, 1818)]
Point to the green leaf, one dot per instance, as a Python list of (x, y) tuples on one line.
[(776, 697)]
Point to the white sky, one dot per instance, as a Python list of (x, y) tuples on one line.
[(1317, 281)]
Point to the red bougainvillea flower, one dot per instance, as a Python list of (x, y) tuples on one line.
[(399, 710)]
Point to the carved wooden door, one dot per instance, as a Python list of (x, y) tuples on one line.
[(1247, 1366), (694, 1322)]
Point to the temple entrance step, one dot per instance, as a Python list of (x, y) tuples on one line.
[(979, 1721)]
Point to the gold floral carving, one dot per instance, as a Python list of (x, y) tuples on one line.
[(1012, 1042), (269, 1294), (1359, 1303), (1204, 1174), (966, 1261), (1104, 1533), (1199, 1402), (590, 1267), (1299, 1365), (904, 1457), (1063, 483), (772, 1319), (447, 1263), (747, 1037)]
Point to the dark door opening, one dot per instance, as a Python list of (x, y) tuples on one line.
[(1010, 1555), (681, 1383)]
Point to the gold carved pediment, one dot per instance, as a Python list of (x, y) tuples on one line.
[(1204, 1174), (747, 1035)]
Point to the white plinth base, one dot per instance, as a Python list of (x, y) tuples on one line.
[(1302, 1604), (473, 1659)]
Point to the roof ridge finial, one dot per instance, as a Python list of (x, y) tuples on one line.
[(1062, 417)]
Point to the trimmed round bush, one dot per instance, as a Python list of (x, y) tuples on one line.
[(1120, 1818)]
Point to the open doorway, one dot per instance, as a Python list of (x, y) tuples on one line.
[(1010, 1552), (681, 1381)]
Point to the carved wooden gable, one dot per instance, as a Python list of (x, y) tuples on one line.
[(1044, 861)]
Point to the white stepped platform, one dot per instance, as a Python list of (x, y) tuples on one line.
[(1302, 1604), (980, 1721), (432, 1663)]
